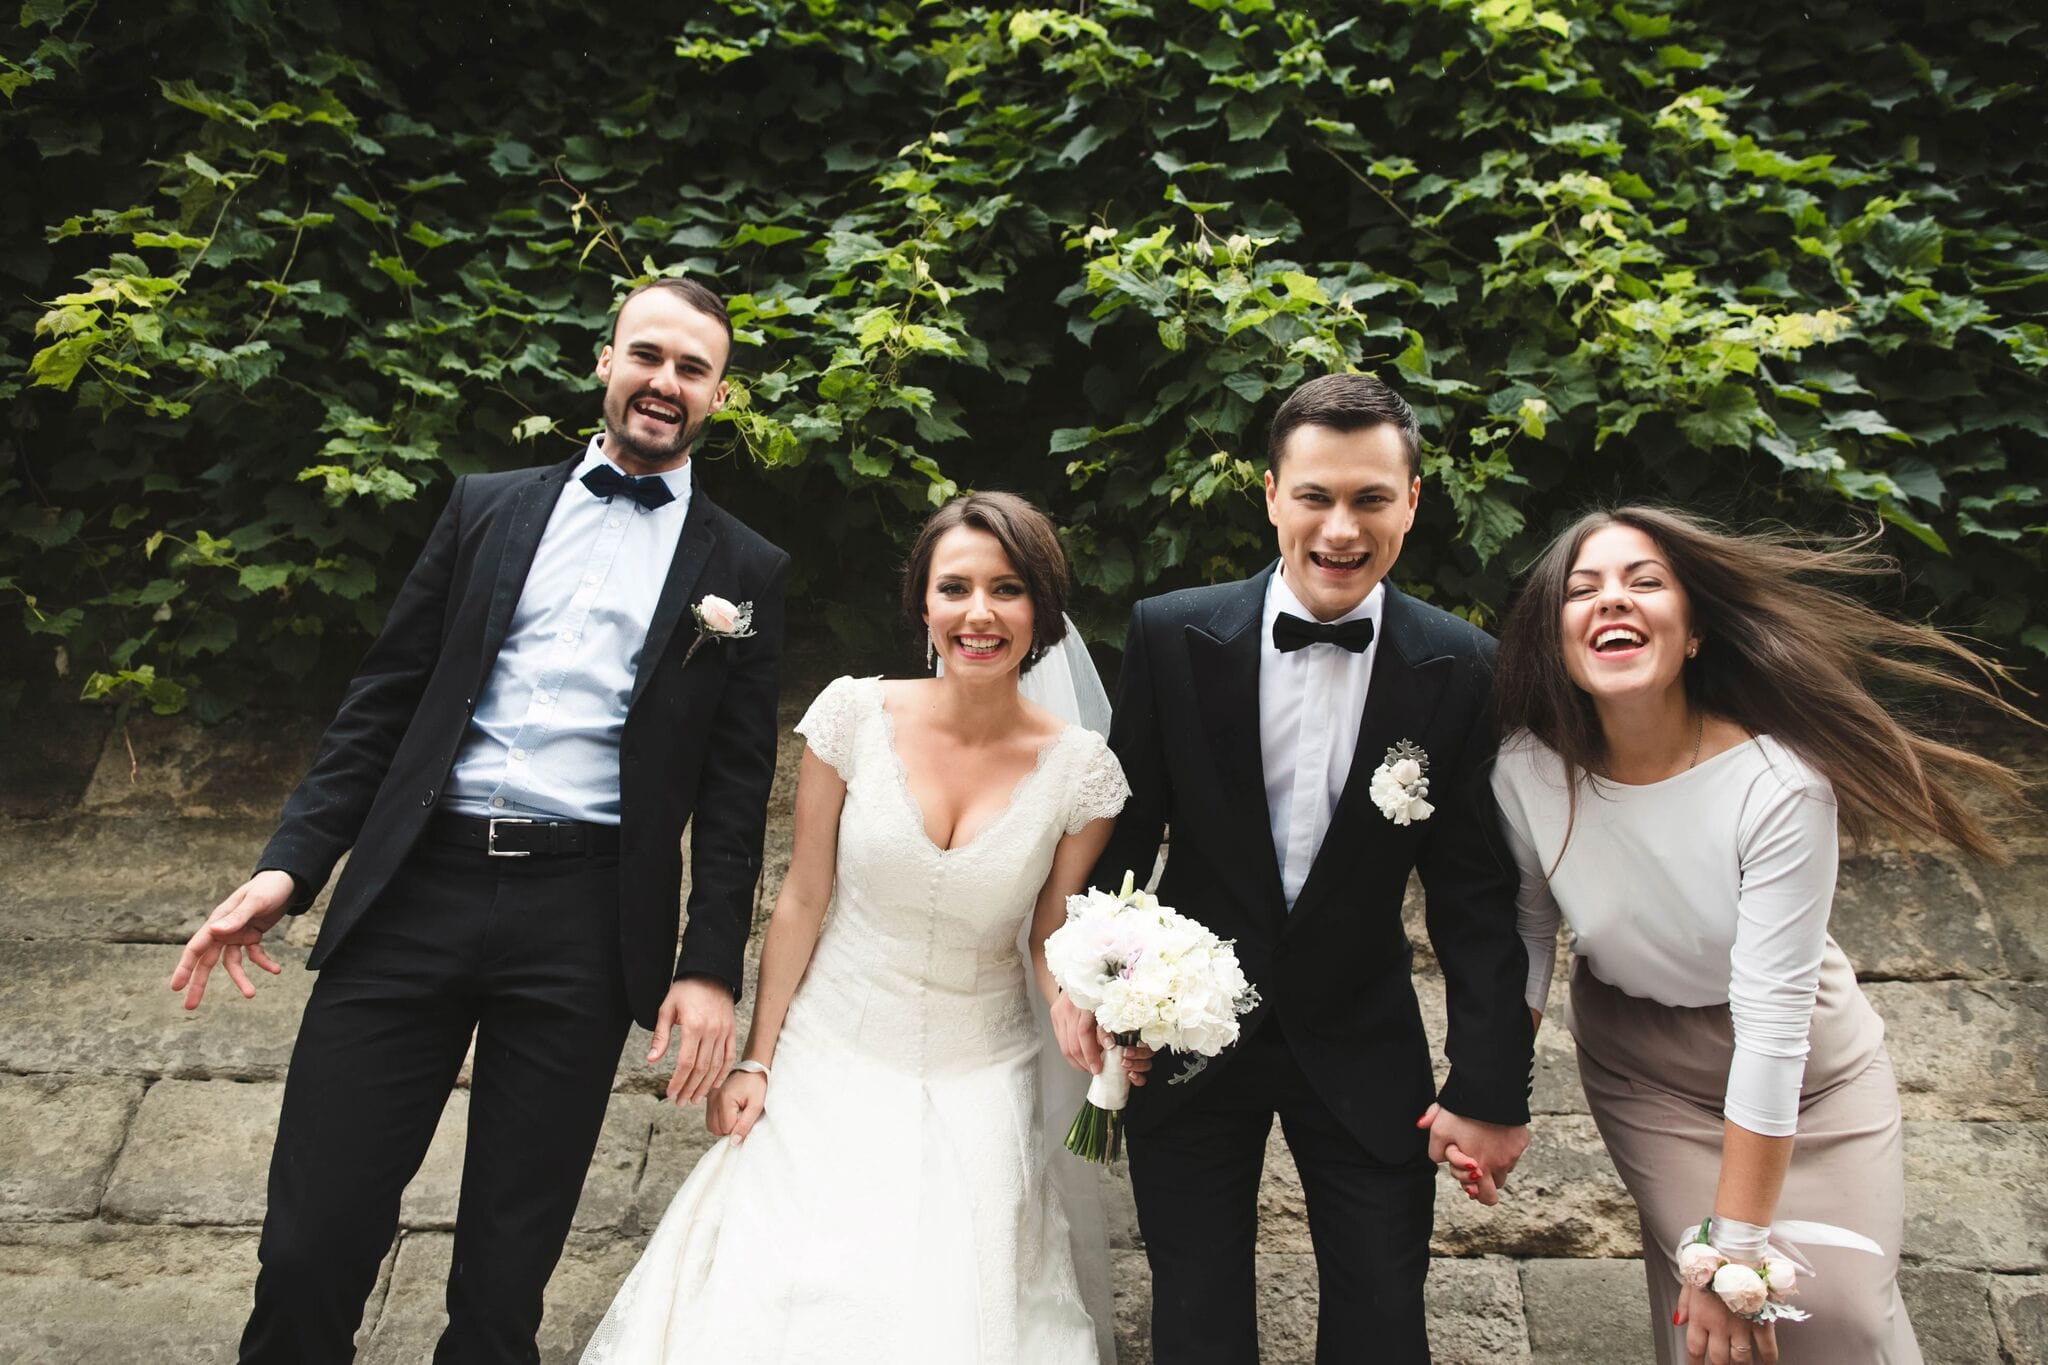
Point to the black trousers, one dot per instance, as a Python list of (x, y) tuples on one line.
[(1196, 1180), (522, 952)]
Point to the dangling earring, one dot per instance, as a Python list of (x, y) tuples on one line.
[(931, 653)]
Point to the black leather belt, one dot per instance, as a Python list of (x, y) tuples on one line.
[(511, 836)]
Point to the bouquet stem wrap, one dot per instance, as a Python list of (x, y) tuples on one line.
[(1097, 1133)]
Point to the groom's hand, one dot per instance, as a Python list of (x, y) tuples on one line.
[(237, 925), (1482, 1154), (698, 1012)]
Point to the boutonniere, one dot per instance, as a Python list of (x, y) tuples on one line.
[(718, 619), (1401, 782)]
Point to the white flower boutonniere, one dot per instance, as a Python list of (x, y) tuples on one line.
[(718, 619), (1401, 782)]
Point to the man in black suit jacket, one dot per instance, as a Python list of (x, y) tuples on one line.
[(556, 693), (1250, 719)]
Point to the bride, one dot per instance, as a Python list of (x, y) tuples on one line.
[(885, 1191)]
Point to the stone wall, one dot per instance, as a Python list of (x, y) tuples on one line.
[(134, 1136)]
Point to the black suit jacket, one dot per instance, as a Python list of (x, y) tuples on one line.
[(1335, 970), (698, 741)]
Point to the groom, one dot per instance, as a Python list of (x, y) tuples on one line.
[(513, 767), (1250, 719)]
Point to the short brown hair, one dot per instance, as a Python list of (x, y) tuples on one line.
[(1345, 402), (1030, 544), (698, 296)]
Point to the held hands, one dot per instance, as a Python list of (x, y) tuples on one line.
[(237, 925), (698, 1011), (735, 1106), (1481, 1154), (1715, 1336), (1081, 1042)]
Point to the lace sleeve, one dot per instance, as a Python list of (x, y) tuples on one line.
[(829, 725), (1100, 790)]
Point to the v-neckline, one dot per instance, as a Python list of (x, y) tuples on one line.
[(910, 797)]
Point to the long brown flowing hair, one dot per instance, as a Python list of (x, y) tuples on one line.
[(1780, 654)]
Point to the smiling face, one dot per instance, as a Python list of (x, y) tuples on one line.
[(662, 381), (1627, 622), (1341, 503), (976, 605)]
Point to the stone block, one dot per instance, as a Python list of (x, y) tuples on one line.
[(48, 751), (1951, 1313), (1587, 1312), (108, 1008), (1974, 1199), (434, 1194), (197, 1155), (611, 1184), (95, 1294), (1967, 1049), (122, 879), (1475, 1313), (2018, 896), (678, 1138), (167, 765), (1913, 918), (2019, 1307), (1564, 1199), (415, 1310), (58, 1139), (1133, 1279), (1556, 1089)]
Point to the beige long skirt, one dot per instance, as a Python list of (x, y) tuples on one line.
[(1655, 1077)]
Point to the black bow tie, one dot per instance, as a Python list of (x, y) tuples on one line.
[(650, 492), (1290, 633)]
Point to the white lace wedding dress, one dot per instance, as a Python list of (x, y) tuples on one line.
[(893, 1204)]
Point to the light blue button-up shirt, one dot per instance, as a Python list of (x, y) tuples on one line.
[(543, 741)]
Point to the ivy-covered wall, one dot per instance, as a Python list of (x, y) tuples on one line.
[(277, 270)]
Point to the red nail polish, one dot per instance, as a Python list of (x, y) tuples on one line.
[(1677, 1318)]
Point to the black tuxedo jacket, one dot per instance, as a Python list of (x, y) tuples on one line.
[(698, 740), (1334, 971)]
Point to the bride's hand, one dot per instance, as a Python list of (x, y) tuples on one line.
[(734, 1107), (1075, 1029)]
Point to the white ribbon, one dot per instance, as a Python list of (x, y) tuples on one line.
[(1110, 1089)]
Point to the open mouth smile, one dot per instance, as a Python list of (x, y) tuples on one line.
[(1338, 564), (655, 410), (1618, 641), (979, 646)]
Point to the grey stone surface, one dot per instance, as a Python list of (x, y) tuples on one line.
[(1951, 1312), (59, 1136), (1556, 1089), (1564, 1199), (93, 1294), (677, 1139), (1967, 1049), (120, 878), (198, 1154), (167, 766), (2019, 1308), (1587, 1312), (108, 1008), (1475, 1313), (1913, 918), (1974, 1198), (2018, 897)]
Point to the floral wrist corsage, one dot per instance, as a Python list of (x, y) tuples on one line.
[(1757, 1292)]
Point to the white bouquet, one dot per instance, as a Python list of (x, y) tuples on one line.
[(1150, 975)]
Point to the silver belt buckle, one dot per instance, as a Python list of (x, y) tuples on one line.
[(491, 839)]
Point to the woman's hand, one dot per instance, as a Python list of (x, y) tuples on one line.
[(1080, 1041), (1715, 1336), (734, 1107)]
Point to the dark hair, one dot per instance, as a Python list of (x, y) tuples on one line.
[(1779, 654), (698, 296), (1029, 542), (1345, 402)]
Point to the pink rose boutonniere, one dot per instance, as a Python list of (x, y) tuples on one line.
[(718, 619)]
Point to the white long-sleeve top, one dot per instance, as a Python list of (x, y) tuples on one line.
[(1709, 887)]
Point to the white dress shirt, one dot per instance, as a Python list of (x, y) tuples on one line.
[(1311, 704), (544, 738), (1710, 887)]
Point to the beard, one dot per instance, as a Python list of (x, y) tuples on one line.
[(622, 446)]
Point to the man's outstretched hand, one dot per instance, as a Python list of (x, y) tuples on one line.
[(698, 1014), (237, 925)]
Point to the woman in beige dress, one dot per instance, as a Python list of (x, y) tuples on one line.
[(1687, 719)]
